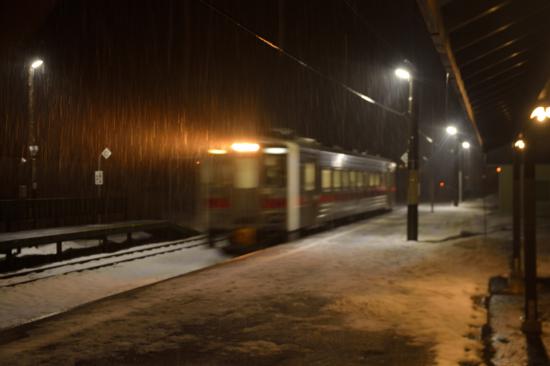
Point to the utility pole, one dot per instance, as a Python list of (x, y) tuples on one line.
[(33, 130), (412, 196)]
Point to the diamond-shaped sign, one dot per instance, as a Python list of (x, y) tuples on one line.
[(106, 153)]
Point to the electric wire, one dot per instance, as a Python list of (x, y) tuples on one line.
[(287, 54)]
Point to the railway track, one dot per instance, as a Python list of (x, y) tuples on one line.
[(20, 277)]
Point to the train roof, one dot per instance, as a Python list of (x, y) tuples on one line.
[(313, 144)]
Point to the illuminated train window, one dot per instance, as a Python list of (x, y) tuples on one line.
[(326, 179), (353, 179), (246, 174), (337, 179), (360, 179), (309, 177)]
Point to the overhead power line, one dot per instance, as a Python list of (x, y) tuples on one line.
[(300, 62)]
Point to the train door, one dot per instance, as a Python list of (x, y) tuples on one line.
[(308, 191)]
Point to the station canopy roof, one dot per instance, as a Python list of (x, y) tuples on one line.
[(498, 54)]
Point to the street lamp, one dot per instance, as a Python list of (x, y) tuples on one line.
[(32, 143), (540, 113), (465, 145), (451, 130), (519, 144), (412, 160)]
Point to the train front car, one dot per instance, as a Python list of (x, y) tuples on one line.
[(244, 188), (263, 193)]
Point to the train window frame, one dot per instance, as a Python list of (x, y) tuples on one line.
[(281, 168), (360, 180), (326, 173), (353, 179), (345, 180), (336, 179), (309, 185)]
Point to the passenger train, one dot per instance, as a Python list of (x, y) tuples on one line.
[(264, 191)]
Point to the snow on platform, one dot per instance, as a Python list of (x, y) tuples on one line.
[(359, 294), (35, 300)]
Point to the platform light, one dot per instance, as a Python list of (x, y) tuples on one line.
[(402, 74), (519, 144), (244, 147), (36, 63), (498, 169), (540, 113), (465, 145), (275, 150), (451, 130), (217, 151)]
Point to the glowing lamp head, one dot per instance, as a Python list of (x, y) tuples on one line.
[(519, 144), (451, 130), (245, 147), (442, 184), (540, 113), (36, 64), (498, 169), (215, 151), (465, 145), (403, 74)]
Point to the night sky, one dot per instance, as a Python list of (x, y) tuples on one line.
[(159, 81)]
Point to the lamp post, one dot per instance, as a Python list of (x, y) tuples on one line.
[(516, 276), (531, 322), (412, 160), (32, 143), (453, 131), (461, 168), (105, 154)]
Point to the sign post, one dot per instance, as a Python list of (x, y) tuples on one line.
[(98, 178)]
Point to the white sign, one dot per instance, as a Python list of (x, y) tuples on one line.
[(405, 157), (106, 153), (99, 177)]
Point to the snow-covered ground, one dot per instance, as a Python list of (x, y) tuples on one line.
[(52, 295), (359, 294)]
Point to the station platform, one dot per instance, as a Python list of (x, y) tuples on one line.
[(359, 294)]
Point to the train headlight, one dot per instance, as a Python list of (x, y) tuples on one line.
[(245, 147), (275, 150), (217, 151)]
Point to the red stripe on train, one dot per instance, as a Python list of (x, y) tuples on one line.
[(218, 203)]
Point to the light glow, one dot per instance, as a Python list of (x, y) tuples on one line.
[(540, 113), (275, 150), (403, 74), (338, 160), (451, 130), (498, 170), (245, 147), (465, 145), (37, 63), (519, 144), (217, 151)]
